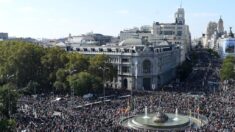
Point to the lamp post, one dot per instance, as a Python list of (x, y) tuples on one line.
[(103, 72)]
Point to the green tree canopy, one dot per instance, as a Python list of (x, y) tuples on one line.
[(35, 68), (99, 64), (54, 59), (84, 82), (227, 70), (8, 99), (61, 84)]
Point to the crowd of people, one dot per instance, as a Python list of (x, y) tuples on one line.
[(76, 114), (49, 114)]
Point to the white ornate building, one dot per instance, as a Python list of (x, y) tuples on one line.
[(141, 65)]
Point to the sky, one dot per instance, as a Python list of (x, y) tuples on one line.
[(58, 18)]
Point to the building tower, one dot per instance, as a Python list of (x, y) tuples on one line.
[(221, 26), (179, 16)]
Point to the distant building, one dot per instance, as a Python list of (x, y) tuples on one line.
[(218, 39), (76, 41), (3, 36), (174, 33), (207, 37), (102, 39), (214, 32), (88, 39)]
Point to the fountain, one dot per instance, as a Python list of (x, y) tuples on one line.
[(176, 115), (146, 113), (160, 121)]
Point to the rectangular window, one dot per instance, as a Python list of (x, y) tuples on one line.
[(168, 32), (179, 33), (125, 60), (125, 69)]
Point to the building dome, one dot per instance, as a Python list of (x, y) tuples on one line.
[(164, 43), (130, 41), (60, 44)]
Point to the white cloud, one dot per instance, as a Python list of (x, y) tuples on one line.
[(123, 12)]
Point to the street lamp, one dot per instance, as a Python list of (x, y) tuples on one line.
[(103, 72)]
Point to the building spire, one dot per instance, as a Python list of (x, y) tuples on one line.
[(220, 17)]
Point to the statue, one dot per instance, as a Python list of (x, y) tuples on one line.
[(160, 117)]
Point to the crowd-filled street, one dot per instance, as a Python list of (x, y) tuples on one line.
[(201, 92)]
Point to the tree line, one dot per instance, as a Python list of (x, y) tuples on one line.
[(34, 69)]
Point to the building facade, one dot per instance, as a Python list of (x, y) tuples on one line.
[(88, 39), (226, 46), (175, 33), (140, 66)]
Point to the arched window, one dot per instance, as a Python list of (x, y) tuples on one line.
[(147, 66)]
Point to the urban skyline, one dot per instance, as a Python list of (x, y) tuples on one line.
[(55, 19)]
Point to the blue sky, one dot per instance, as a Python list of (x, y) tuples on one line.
[(58, 18)]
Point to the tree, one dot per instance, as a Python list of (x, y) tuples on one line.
[(7, 125), (35, 69), (77, 62), (32, 87), (84, 82), (229, 59), (184, 70), (227, 70), (99, 63), (8, 99), (61, 84), (22, 60), (54, 59)]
